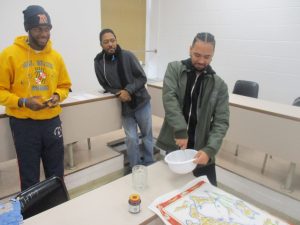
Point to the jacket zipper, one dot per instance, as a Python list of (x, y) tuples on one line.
[(190, 111), (105, 71)]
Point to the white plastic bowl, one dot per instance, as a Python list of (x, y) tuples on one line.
[(181, 161)]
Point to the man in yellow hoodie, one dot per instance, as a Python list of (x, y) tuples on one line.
[(33, 80)]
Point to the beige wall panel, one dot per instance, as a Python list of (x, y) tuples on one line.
[(128, 20)]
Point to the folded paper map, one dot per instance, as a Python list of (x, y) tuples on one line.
[(200, 203)]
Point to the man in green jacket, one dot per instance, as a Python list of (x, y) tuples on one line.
[(196, 107)]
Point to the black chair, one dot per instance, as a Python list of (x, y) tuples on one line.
[(246, 88), (42, 196), (296, 102)]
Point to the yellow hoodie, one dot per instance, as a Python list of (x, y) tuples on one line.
[(25, 72)]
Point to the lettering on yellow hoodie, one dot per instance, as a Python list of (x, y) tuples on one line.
[(25, 72)]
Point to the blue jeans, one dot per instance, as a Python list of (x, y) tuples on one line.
[(142, 119)]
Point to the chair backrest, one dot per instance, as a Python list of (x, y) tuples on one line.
[(296, 102), (246, 88), (42, 196)]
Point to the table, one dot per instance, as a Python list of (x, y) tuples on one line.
[(269, 127), (7, 149), (108, 204), (84, 115)]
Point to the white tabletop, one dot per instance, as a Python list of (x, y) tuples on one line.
[(261, 125), (254, 104), (76, 98), (84, 115), (2, 110), (109, 203)]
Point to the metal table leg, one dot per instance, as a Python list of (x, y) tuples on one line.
[(236, 150), (89, 143), (290, 176), (264, 163), (70, 153)]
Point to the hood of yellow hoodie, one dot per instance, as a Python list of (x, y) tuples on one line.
[(22, 42)]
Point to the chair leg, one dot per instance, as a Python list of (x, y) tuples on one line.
[(236, 150), (264, 164), (290, 176)]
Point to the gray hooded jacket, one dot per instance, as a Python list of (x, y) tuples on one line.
[(108, 77)]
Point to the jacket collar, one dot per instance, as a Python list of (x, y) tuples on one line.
[(190, 68)]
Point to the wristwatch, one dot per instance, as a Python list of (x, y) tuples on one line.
[(22, 102)]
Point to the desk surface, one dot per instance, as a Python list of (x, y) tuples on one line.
[(258, 105), (75, 98), (84, 115), (261, 125), (109, 203)]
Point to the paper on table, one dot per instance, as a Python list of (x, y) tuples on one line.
[(84, 96), (199, 202)]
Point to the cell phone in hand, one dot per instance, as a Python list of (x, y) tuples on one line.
[(48, 102)]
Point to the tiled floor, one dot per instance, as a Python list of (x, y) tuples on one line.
[(247, 164)]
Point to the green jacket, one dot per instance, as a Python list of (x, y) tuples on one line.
[(212, 117)]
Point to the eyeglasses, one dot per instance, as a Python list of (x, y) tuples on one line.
[(41, 29)]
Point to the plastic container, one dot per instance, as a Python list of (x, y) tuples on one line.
[(181, 161)]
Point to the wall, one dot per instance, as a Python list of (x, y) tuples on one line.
[(256, 40), (75, 34), (127, 18)]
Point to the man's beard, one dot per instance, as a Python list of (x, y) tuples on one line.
[(35, 42), (110, 53)]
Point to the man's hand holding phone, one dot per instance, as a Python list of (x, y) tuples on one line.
[(52, 101)]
